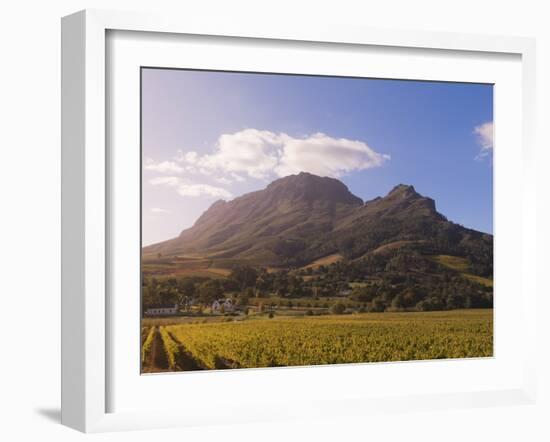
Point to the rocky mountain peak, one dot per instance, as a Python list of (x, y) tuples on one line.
[(403, 190), (309, 187)]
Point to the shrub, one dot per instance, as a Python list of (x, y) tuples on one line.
[(429, 304), (378, 305), (338, 308), (397, 302), (454, 302)]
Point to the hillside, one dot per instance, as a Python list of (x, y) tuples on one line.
[(300, 219), (267, 226)]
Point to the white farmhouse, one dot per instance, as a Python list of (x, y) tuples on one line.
[(161, 310), (227, 305)]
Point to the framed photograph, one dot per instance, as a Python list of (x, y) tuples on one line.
[(292, 222), (257, 251)]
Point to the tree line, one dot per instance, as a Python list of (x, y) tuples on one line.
[(402, 279)]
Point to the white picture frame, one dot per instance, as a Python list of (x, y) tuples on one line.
[(87, 207)]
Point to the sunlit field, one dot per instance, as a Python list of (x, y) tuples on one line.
[(328, 339)]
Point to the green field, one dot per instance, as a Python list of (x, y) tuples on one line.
[(315, 340), (462, 266)]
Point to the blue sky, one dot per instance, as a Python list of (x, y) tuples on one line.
[(212, 135)]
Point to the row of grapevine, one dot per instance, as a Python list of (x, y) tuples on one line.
[(171, 348), (147, 344), (335, 339)]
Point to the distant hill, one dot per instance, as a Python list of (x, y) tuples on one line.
[(300, 219)]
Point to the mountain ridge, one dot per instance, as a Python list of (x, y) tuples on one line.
[(300, 218)]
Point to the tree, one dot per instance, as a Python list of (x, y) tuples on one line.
[(249, 292), (409, 297), (454, 302), (264, 282), (397, 302), (364, 294), (338, 308), (378, 305), (168, 296), (209, 291), (187, 287), (429, 304), (244, 276), (243, 299)]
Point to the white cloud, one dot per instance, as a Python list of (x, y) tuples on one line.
[(223, 180), (203, 189), (485, 133), (264, 155), (236, 177), (191, 157), (190, 189), (249, 151), (159, 210), (165, 181), (327, 156), (163, 166)]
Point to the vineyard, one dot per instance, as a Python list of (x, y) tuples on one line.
[(329, 339)]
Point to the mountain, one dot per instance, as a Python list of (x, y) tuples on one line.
[(261, 224), (301, 218)]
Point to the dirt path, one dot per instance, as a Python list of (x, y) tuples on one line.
[(157, 361)]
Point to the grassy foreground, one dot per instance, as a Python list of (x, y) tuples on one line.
[(329, 339)]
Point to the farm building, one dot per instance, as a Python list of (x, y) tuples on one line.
[(161, 310), (227, 305)]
